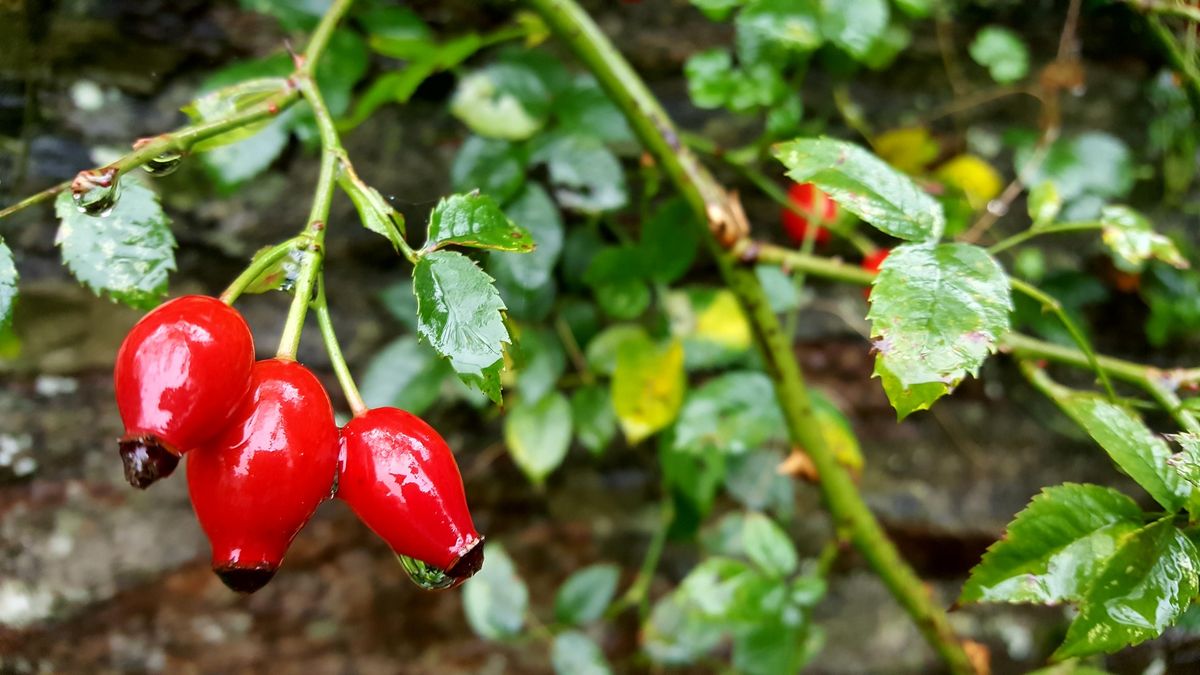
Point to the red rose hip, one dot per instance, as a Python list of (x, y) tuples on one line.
[(872, 262), (255, 486), (179, 375), (808, 198), (401, 479)]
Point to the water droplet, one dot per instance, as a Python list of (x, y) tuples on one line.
[(997, 207), (95, 191), (164, 164), (427, 577)]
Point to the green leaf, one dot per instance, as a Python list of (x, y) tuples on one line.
[(585, 595), (535, 211), (126, 253), (474, 220), (1187, 462), (623, 300), (399, 301), (585, 108), (732, 413), (676, 633), (712, 325), (768, 546), (936, 314), (754, 481), (574, 653), (586, 176), (647, 387), (507, 99), (1044, 204), (374, 212), (8, 285), (234, 89), (292, 14), (717, 10), (669, 242), (230, 166), (397, 23), (494, 167), (864, 185), (595, 421), (538, 435), (1055, 547), (711, 77), (779, 287), (404, 374), (1133, 241), (459, 314), (792, 25), (854, 25), (1146, 584), (770, 647), (1089, 167), (496, 598), (602, 351), (1001, 51), (542, 363), (342, 65), (1129, 442)]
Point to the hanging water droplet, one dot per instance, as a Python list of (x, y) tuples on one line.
[(164, 164), (427, 577), (96, 191)]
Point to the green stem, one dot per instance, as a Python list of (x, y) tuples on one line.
[(1081, 341), (638, 594), (1188, 71), (710, 201), (345, 379), (258, 266), (1022, 237), (1164, 393), (1167, 8), (320, 37)]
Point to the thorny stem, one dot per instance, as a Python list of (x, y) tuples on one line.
[(345, 379), (259, 265), (713, 205)]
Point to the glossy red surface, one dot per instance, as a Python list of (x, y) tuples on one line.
[(182, 370), (808, 197), (255, 486), (872, 262), (400, 477)]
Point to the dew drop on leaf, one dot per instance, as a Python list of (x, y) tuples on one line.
[(95, 191), (427, 577)]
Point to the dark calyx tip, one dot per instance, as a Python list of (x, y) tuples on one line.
[(468, 563), (146, 460), (245, 579)]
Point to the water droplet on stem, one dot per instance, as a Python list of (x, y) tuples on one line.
[(164, 164), (96, 191), (427, 577)]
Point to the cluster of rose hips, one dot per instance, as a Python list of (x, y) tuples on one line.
[(264, 450), (807, 198)]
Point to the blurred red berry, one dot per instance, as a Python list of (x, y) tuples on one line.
[(807, 197)]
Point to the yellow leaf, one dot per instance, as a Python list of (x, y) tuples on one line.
[(647, 387), (837, 432), (975, 177), (723, 322), (909, 149)]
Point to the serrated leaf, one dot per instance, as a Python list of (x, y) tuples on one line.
[(492, 166), (854, 25), (647, 387), (1129, 442), (936, 314), (1054, 548), (585, 595), (574, 653), (768, 546), (864, 185), (1146, 584), (595, 421), (732, 413), (404, 374), (1187, 462), (1001, 51), (8, 285), (1133, 241), (495, 599), (126, 254), (538, 435), (586, 176), (475, 220), (459, 314)]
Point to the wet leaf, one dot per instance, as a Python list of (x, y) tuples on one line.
[(732, 413), (496, 598), (475, 220), (538, 435), (374, 211), (1001, 51), (459, 314), (126, 254), (854, 25), (1055, 547), (496, 168), (647, 387), (864, 185), (585, 174), (1146, 584), (1129, 442), (1133, 241), (585, 595), (936, 314), (533, 210), (1187, 462), (574, 653), (8, 285), (768, 546), (404, 374), (595, 421)]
